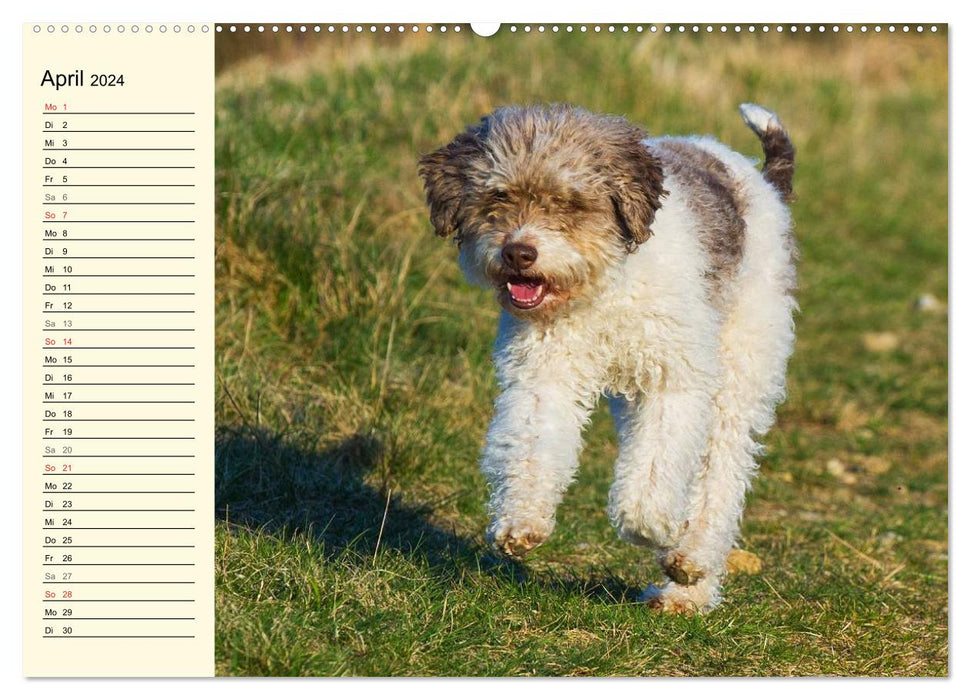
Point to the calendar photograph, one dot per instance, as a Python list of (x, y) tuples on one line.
[(581, 350)]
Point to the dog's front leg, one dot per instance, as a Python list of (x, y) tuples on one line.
[(662, 443), (529, 459)]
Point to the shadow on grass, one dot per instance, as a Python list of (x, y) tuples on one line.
[(263, 483)]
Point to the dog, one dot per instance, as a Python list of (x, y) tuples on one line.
[(658, 272)]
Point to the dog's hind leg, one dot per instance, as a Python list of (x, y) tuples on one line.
[(756, 343)]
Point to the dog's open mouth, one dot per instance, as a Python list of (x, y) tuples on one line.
[(526, 293)]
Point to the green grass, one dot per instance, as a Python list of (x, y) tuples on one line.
[(354, 381)]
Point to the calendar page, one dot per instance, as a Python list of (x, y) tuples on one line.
[(118, 347), (395, 349)]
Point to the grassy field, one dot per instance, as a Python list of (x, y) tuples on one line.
[(355, 385)]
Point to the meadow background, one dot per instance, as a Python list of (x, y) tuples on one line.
[(355, 385)]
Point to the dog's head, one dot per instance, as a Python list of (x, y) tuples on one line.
[(542, 201)]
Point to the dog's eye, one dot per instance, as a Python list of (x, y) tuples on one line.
[(500, 196)]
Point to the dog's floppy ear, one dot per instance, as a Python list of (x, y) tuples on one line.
[(445, 174), (638, 185)]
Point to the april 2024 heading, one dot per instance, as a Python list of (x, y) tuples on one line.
[(76, 79)]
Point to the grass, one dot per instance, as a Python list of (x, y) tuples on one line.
[(354, 381)]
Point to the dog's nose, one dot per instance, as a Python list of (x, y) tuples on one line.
[(519, 256)]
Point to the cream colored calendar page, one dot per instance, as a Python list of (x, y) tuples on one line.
[(117, 348)]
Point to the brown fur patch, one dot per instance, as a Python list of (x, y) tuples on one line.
[(780, 161), (680, 570), (712, 194), (443, 174), (558, 159)]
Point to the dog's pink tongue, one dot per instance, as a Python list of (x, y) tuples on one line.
[(522, 290)]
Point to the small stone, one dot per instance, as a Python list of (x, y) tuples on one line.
[(881, 342), (928, 303), (742, 562)]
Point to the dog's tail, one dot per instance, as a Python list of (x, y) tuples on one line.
[(780, 155)]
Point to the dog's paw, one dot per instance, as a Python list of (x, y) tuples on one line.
[(680, 569), (680, 600), (515, 538)]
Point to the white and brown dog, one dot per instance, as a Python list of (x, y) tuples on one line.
[(656, 271)]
